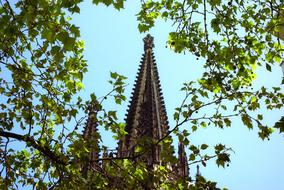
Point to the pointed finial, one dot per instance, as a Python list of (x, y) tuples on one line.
[(282, 66), (181, 148), (148, 42), (198, 171)]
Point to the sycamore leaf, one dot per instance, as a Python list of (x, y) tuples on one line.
[(280, 125)]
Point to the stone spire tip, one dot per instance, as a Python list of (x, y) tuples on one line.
[(148, 42)]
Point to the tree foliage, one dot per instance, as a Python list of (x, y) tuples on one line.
[(233, 38), (42, 66)]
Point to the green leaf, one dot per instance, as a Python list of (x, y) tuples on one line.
[(203, 124), (47, 34), (195, 6), (143, 28), (194, 128), (247, 121), (227, 122), (222, 159), (219, 148), (118, 101), (280, 125), (176, 116), (119, 4), (215, 2), (165, 14), (67, 41), (191, 157), (268, 67), (259, 117), (204, 146), (113, 75)]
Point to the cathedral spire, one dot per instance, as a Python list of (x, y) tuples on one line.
[(183, 169), (91, 136), (146, 120)]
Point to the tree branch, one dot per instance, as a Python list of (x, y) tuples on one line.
[(35, 144)]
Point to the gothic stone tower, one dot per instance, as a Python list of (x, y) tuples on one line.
[(146, 123), (146, 119)]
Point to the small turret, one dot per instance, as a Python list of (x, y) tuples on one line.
[(198, 171), (183, 169), (91, 136)]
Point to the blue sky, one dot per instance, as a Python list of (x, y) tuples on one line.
[(113, 43)]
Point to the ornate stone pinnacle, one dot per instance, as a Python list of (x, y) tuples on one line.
[(148, 42)]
